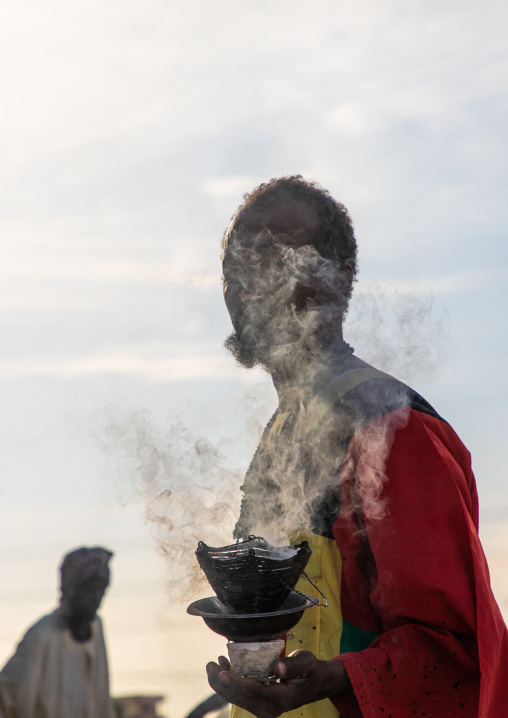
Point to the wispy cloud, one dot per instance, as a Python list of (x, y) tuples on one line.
[(155, 368), (434, 284), (130, 132)]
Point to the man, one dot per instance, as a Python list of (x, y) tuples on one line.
[(60, 668), (368, 472)]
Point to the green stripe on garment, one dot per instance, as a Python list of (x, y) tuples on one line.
[(355, 639)]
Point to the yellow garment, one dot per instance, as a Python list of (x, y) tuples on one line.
[(319, 630), (51, 675)]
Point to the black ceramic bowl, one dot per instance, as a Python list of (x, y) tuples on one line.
[(248, 627), (252, 576)]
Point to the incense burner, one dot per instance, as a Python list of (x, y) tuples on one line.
[(255, 602)]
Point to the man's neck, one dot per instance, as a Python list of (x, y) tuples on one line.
[(81, 630), (297, 383)]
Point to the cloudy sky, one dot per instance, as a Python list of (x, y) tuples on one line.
[(128, 133)]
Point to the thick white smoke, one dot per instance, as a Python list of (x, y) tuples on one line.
[(285, 297), (288, 303), (188, 492), (290, 315)]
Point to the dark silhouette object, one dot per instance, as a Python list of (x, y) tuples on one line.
[(211, 704), (137, 706)]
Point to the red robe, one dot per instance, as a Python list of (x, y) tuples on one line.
[(442, 648), (420, 631)]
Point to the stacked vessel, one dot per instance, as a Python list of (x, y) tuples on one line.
[(255, 602)]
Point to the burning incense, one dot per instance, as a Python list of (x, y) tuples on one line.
[(256, 602)]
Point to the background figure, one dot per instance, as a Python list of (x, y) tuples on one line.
[(60, 667)]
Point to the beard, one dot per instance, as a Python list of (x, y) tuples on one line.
[(285, 339), (244, 354), (293, 309)]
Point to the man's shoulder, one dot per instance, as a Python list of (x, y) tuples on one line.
[(45, 626), (34, 641), (368, 393), (97, 626)]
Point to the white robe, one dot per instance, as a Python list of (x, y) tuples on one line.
[(51, 675)]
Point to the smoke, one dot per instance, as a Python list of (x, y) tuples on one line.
[(287, 304), (400, 331), (188, 492), (283, 301), (294, 483), (364, 465)]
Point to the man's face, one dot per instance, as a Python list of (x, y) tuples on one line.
[(85, 597), (279, 291)]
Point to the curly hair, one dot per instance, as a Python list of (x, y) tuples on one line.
[(334, 238)]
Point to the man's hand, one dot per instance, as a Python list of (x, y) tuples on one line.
[(302, 679)]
